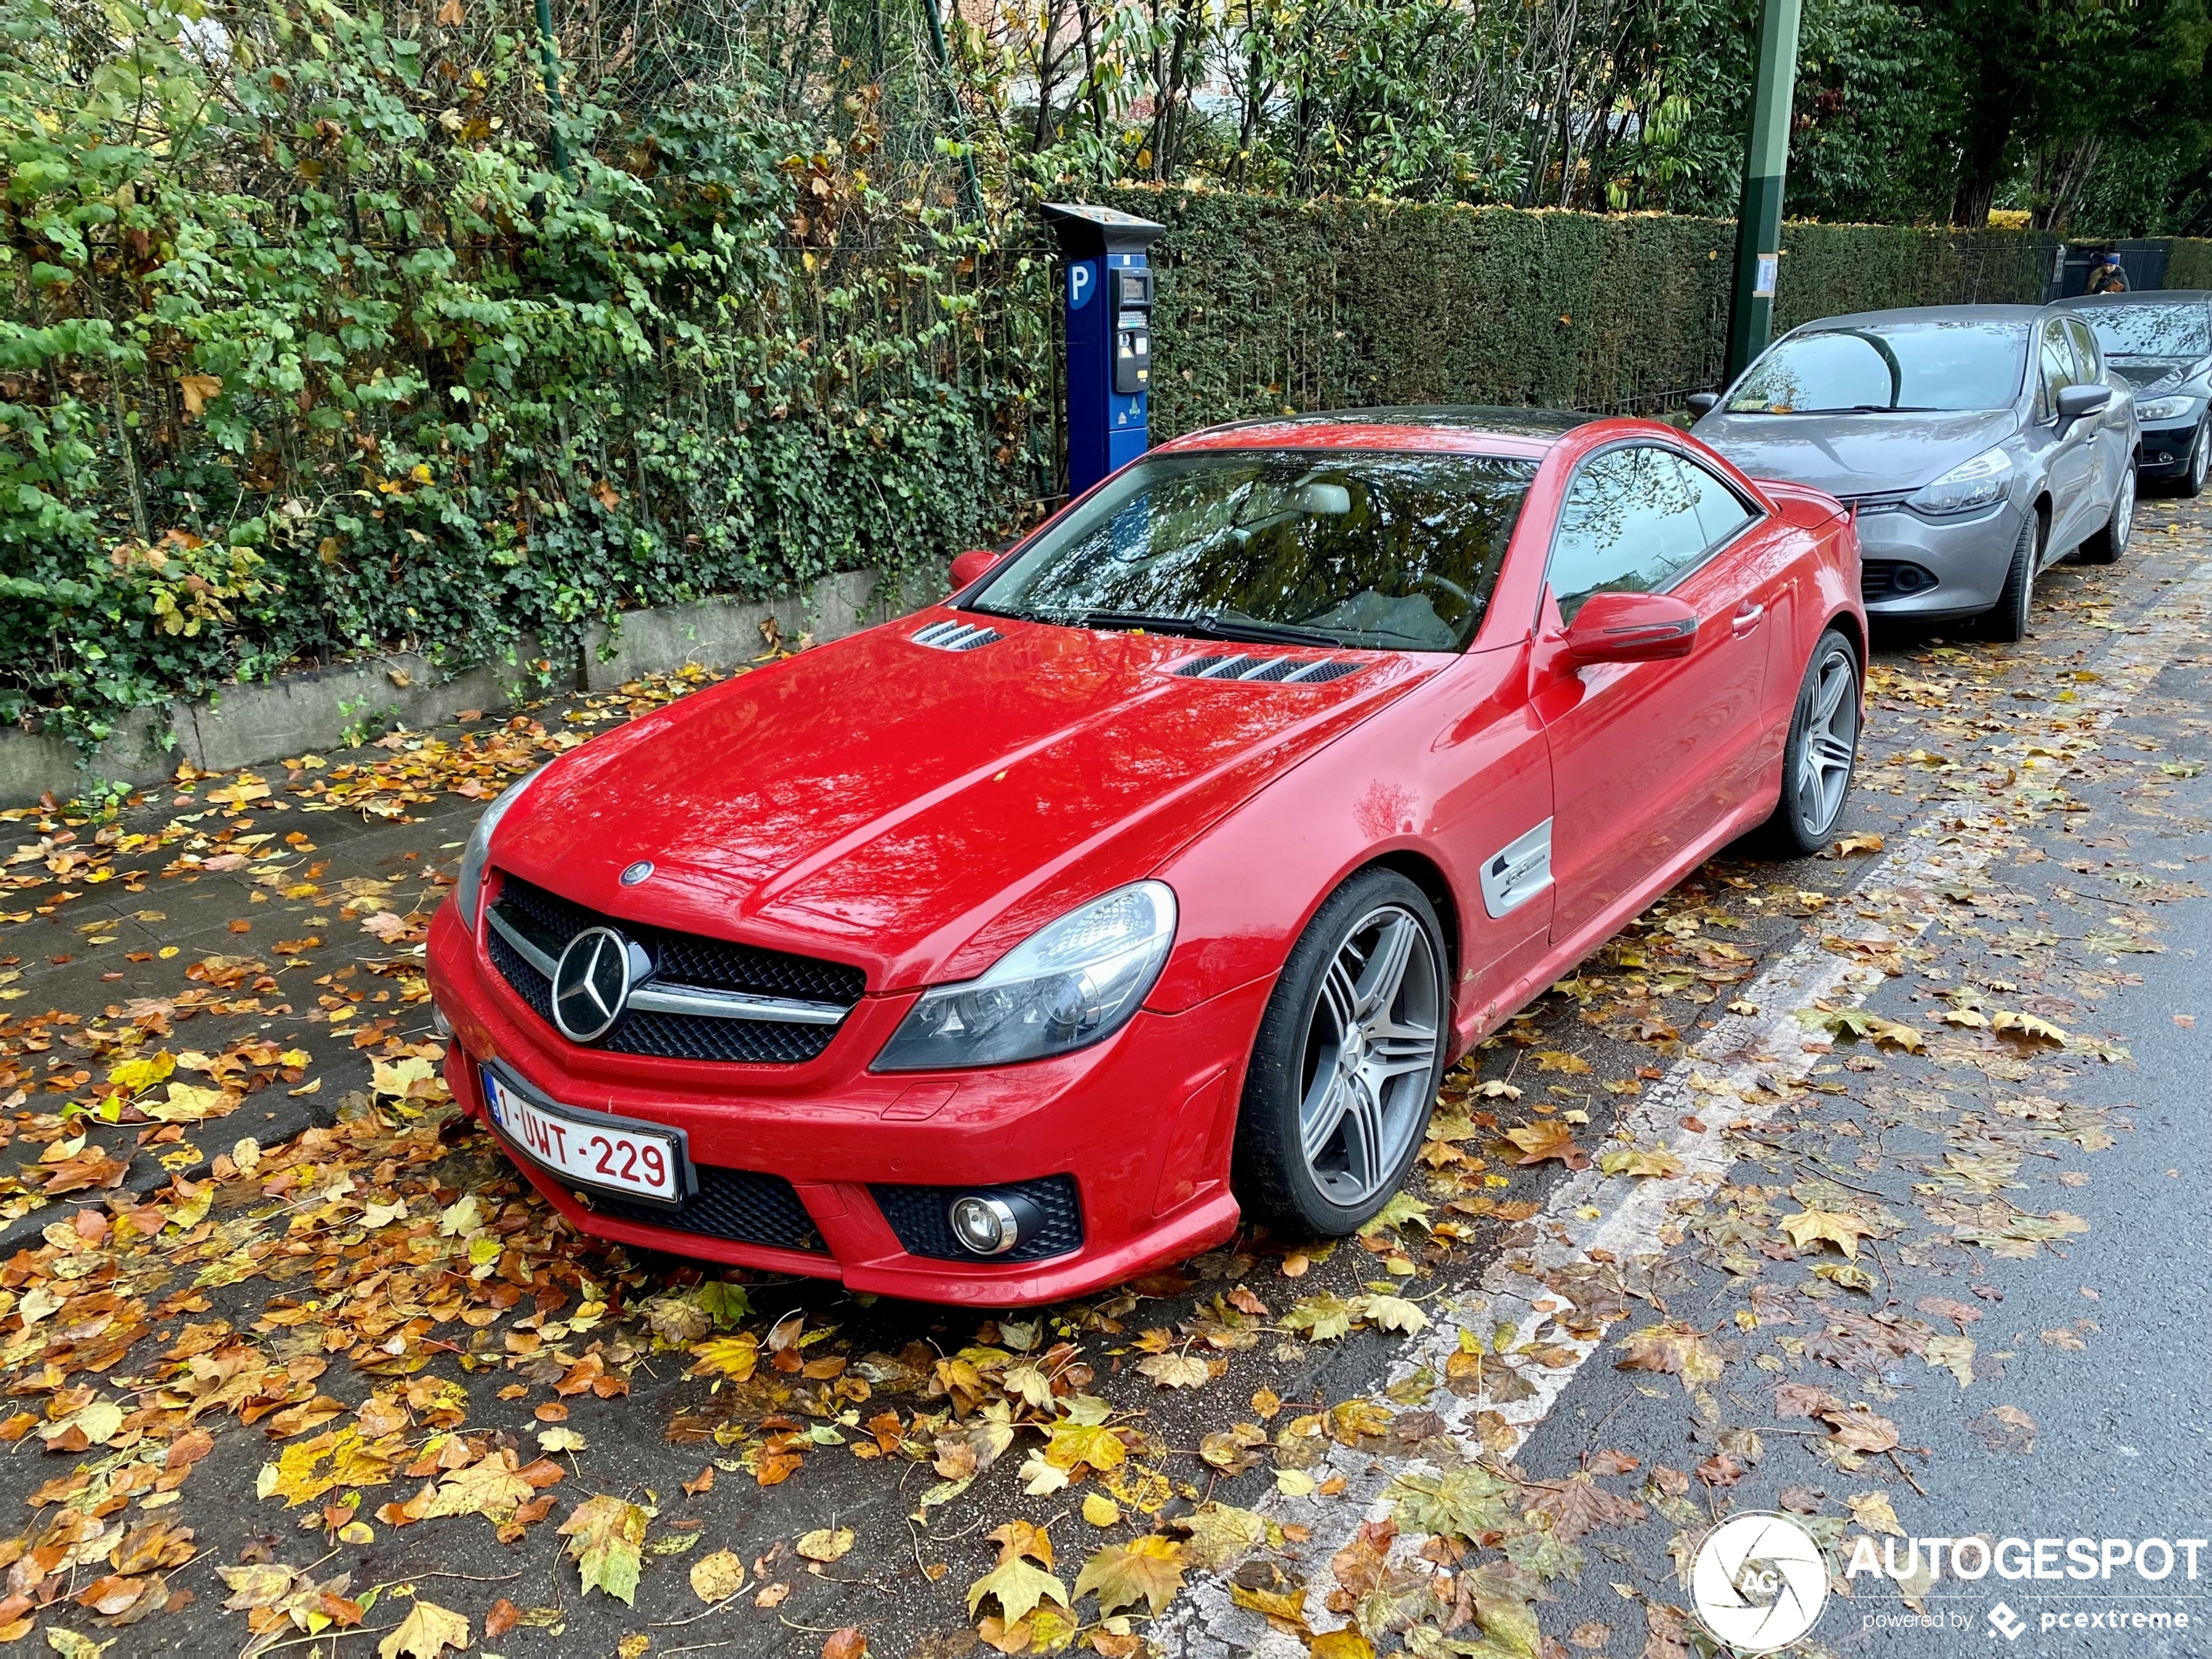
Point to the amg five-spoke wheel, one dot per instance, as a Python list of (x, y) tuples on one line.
[(1348, 1060), (1822, 748)]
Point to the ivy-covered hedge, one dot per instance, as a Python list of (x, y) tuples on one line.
[(306, 348)]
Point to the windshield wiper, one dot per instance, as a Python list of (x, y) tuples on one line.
[(1209, 627)]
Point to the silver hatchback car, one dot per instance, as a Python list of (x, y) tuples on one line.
[(1979, 443)]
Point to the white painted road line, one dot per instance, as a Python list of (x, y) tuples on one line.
[(1741, 1052)]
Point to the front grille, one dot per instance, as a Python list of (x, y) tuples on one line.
[(921, 1217), (740, 1205), (685, 959), (1892, 579)]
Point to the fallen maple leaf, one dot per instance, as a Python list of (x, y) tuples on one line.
[(427, 1631), (606, 1536), (1175, 1371), (1148, 1570), (1840, 1227), (1676, 1348), (1018, 1585), (1546, 1138)]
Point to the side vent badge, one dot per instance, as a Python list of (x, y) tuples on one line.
[(1516, 875)]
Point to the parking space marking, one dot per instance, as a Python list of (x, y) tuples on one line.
[(1740, 1052)]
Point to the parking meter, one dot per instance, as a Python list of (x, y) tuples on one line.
[(1107, 288)]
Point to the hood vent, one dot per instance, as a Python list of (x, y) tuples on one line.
[(1288, 671), (957, 635)]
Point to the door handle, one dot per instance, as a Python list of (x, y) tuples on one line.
[(1747, 618)]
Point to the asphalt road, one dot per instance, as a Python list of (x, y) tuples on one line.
[(2064, 810)]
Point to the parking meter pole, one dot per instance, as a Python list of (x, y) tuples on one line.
[(1106, 286), (1766, 159)]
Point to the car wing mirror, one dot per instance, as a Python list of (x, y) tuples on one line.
[(1631, 628), (971, 565), (2074, 402), (1701, 404)]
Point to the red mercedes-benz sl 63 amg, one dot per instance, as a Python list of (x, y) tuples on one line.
[(1003, 952)]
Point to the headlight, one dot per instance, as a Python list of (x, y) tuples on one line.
[(2163, 408), (1069, 984), (470, 887), (1966, 486)]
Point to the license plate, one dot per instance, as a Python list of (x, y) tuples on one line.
[(617, 1155)]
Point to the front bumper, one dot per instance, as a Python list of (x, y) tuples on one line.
[(804, 1167), (2166, 451), (1926, 569)]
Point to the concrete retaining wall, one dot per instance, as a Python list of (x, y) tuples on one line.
[(253, 724)]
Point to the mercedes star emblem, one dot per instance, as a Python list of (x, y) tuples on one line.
[(591, 984), (634, 873)]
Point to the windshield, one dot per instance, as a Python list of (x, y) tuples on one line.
[(1952, 364), (1362, 548), (2150, 331)]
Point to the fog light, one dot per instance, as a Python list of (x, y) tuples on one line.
[(985, 1225)]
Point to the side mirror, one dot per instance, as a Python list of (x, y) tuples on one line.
[(971, 565), (1631, 628), (2074, 402), (1701, 404)]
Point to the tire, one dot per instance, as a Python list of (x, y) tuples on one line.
[(1821, 751), (2109, 542), (2006, 621), (1327, 1130), (2191, 484)]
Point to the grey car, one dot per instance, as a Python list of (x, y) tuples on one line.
[(1979, 444), (2161, 344)]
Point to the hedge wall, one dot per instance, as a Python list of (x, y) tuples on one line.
[(1267, 304), (2189, 263)]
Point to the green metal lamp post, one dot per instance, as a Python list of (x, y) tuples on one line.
[(1766, 159)]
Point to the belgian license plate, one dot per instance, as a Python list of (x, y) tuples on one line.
[(617, 1155)]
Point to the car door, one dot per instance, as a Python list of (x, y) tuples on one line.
[(2072, 464), (1646, 757)]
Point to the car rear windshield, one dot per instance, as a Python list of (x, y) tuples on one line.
[(1365, 548), (2150, 331), (1947, 365)]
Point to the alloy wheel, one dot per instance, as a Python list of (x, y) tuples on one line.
[(1371, 1048), (2123, 512), (2199, 459), (1830, 743)]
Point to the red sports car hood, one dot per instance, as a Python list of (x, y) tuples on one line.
[(918, 810)]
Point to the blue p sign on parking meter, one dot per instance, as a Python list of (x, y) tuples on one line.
[(1108, 291)]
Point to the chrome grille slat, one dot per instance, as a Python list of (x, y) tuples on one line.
[(1278, 670), (951, 634)]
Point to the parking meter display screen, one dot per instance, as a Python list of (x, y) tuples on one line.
[(1367, 550), (1949, 366)]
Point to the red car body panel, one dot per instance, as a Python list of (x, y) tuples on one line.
[(916, 813)]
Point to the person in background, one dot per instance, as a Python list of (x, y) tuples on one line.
[(2106, 276)]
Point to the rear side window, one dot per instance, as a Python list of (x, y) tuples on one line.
[(1635, 520)]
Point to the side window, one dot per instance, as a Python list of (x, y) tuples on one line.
[(2058, 370), (1721, 512), (1630, 523), (2087, 368)]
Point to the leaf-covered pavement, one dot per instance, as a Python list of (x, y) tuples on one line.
[(295, 1358)]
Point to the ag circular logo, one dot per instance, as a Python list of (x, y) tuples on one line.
[(590, 983), (1759, 1582), (632, 874)]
